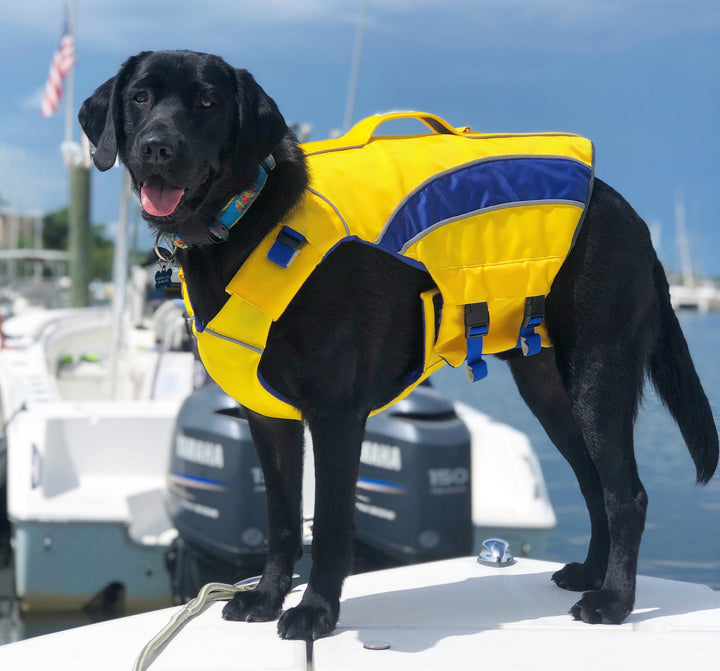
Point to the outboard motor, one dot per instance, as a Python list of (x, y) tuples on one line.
[(215, 495), (412, 502), (413, 497)]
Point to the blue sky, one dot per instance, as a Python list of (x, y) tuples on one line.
[(641, 78)]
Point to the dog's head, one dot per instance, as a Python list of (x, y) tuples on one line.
[(190, 129)]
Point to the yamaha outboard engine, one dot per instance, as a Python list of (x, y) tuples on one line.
[(412, 503), (215, 495)]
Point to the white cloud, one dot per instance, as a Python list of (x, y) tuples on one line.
[(33, 102)]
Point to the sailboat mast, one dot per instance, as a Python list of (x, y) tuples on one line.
[(682, 243)]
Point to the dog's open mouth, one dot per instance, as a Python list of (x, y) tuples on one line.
[(158, 198)]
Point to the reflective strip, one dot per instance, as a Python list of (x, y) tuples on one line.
[(235, 341), (331, 204)]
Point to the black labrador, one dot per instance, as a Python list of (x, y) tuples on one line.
[(192, 131)]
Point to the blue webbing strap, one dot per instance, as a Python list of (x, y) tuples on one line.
[(477, 324), (286, 247), (529, 341)]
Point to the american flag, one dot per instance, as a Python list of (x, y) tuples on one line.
[(62, 62)]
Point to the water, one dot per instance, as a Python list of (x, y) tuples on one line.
[(681, 539)]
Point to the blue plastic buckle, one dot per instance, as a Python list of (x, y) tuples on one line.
[(529, 341), (477, 325), (286, 247)]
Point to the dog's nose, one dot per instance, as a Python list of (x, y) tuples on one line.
[(157, 148)]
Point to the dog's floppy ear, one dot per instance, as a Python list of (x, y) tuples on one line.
[(262, 126), (100, 115)]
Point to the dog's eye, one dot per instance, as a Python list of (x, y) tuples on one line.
[(141, 97), (206, 102)]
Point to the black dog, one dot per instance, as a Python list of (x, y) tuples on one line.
[(192, 131)]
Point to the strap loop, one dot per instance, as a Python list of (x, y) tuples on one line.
[(529, 341), (286, 247), (477, 325)]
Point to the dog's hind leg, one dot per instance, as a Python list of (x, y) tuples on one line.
[(279, 443), (337, 439), (541, 387), (604, 384)]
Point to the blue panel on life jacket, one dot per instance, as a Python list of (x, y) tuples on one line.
[(482, 185)]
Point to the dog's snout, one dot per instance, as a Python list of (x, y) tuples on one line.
[(158, 148)]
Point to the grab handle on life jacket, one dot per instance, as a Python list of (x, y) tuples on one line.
[(361, 133)]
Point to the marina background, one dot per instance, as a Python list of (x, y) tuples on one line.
[(681, 539), (639, 78)]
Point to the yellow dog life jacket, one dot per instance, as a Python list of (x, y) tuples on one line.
[(490, 217)]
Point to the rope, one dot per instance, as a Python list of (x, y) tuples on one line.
[(214, 591)]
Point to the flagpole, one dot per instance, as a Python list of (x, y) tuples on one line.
[(70, 78), (78, 168)]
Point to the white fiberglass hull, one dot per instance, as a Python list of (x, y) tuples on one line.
[(453, 614)]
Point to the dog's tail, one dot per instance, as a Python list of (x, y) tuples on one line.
[(674, 376)]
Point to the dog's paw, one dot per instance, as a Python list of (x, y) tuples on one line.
[(602, 607), (308, 622), (577, 578), (252, 606)]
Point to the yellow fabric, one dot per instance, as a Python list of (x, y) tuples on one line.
[(480, 245), (500, 255)]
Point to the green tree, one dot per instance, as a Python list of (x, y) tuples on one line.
[(55, 230), (56, 235)]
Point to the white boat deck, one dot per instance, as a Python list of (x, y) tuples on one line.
[(453, 615)]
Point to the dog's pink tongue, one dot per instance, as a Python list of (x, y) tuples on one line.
[(158, 198)]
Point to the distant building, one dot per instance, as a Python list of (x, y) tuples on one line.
[(29, 273), (20, 230)]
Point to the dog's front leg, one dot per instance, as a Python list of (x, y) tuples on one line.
[(279, 444), (337, 440)]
